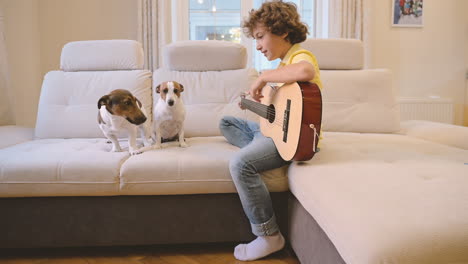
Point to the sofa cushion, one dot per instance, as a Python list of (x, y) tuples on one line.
[(336, 54), (60, 167), (203, 167), (204, 55), (387, 198), (359, 101), (208, 96), (102, 55), (68, 101), (448, 134)]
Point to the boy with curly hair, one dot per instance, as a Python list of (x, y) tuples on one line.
[(277, 29)]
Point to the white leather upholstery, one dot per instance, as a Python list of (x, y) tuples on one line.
[(336, 54), (204, 55), (359, 101), (208, 96), (68, 102), (102, 55), (86, 167), (447, 134), (203, 167), (60, 167)]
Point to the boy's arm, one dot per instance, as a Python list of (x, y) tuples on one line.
[(302, 71)]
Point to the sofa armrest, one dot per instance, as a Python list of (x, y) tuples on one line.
[(12, 135), (451, 135)]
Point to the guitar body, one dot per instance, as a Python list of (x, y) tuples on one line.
[(294, 110)]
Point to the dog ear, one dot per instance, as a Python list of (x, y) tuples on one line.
[(103, 101), (181, 87), (158, 88), (138, 102)]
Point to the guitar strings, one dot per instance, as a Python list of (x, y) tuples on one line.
[(262, 107), (277, 121)]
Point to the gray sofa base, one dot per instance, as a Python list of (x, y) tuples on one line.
[(308, 240), (34, 222)]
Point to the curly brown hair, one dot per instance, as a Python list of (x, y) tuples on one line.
[(279, 17)]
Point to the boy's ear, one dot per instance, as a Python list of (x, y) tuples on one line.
[(284, 35)]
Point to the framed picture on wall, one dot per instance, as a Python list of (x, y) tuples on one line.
[(407, 13)]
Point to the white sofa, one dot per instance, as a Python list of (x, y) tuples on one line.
[(377, 192)]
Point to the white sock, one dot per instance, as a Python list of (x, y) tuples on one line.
[(260, 247)]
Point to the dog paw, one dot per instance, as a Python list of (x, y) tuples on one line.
[(183, 144), (157, 146), (116, 150)]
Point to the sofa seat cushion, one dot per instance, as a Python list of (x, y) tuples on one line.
[(60, 167), (203, 167), (387, 198)]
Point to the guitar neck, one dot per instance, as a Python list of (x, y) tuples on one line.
[(258, 108)]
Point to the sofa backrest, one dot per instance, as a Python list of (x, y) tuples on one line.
[(89, 70), (214, 74), (354, 99)]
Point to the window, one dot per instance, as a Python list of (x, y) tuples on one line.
[(215, 20), (221, 20)]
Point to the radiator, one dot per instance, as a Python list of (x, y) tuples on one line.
[(431, 109)]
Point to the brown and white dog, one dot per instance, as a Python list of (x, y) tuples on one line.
[(169, 114), (120, 111)]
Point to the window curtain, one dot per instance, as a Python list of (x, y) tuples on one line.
[(351, 19), (7, 115), (148, 33), (161, 22)]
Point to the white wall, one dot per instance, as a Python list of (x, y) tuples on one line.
[(36, 31), (427, 61), (62, 21), (23, 48)]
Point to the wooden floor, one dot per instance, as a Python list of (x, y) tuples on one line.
[(179, 254)]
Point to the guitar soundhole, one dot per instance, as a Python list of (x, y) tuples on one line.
[(271, 113)]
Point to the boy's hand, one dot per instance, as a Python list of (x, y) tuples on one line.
[(256, 89)]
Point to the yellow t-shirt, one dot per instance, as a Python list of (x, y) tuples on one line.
[(296, 54)]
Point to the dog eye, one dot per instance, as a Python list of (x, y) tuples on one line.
[(165, 91), (128, 103), (176, 91)]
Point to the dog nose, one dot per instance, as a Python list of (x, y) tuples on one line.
[(141, 120), (171, 102)]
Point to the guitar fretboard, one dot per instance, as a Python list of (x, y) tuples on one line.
[(258, 108)]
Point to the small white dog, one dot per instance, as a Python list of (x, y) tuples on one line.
[(119, 111), (169, 114)]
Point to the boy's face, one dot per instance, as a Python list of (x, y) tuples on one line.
[(272, 46)]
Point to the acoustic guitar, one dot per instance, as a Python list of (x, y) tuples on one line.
[(291, 116)]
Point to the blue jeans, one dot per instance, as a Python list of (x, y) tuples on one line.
[(257, 154)]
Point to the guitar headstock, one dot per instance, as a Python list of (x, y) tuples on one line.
[(243, 96)]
